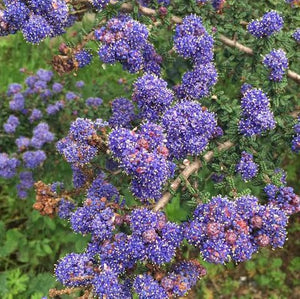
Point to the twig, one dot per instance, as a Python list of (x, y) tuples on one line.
[(186, 173)]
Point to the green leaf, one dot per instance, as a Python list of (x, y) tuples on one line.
[(174, 211)]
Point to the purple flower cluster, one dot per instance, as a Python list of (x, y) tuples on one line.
[(152, 96), (256, 117), (83, 58), (197, 83), (192, 41), (94, 102), (143, 155), (122, 113), (189, 129), (277, 62), (74, 270), (296, 35), (26, 182), (126, 40), (225, 230), (246, 167), (41, 135), (55, 108), (78, 147), (106, 285), (33, 159), (8, 166), (37, 19), (147, 287), (17, 103), (11, 124), (65, 209), (36, 114), (245, 87), (296, 138), (283, 198), (218, 4), (158, 237), (182, 278), (22, 143), (99, 4), (270, 23)]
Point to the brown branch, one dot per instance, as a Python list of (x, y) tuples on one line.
[(186, 173), (234, 44)]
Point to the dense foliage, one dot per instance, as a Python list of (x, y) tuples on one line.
[(186, 173)]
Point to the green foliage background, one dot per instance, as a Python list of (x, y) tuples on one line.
[(31, 244)]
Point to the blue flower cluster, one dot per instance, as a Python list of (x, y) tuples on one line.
[(37, 19), (93, 102), (99, 4), (65, 208), (143, 155), (246, 167), (152, 96), (277, 62), (225, 230), (33, 159), (189, 128), (256, 117), (270, 23), (197, 83), (126, 40), (83, 58), (147, 287), (158, 238), (78, 146), (183, 277), (41, 135), (8, 166), (284, 198), (296, 35), (296, 138), (26, 182), (11, 124), (122, 113), (192, 41)]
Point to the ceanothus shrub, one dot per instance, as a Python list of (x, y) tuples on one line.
[(205, 129)]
